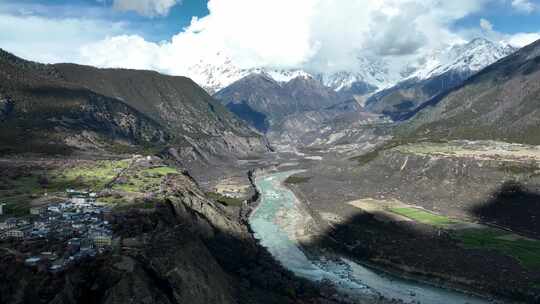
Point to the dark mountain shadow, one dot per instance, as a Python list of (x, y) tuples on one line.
[(441, 256), (514, 206), (249, 115)]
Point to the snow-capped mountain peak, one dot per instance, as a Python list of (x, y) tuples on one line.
[(284, 75), (219, 72), (215, 75), (222, 72), (469, 57), (372, 71)]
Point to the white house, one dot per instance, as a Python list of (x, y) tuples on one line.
[(53, 209), (37, 210), (78, 201)]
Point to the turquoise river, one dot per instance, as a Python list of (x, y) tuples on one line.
[(272, 222)]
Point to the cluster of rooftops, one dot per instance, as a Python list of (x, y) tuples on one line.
[(76, 228)]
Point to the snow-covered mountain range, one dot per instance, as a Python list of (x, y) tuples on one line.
[(221, 71), (434, 74), (472, 56)]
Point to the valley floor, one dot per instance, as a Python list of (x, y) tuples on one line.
[(443, 212), (458, 213), (172, 240)]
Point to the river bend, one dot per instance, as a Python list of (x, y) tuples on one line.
[(271, 222)]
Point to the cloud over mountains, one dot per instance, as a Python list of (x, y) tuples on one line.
[(316, 35)]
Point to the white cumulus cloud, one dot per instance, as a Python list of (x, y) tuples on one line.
[(524, 5), (522, 39), (486, 25), (52, 40), (316, 35), (312, 34)]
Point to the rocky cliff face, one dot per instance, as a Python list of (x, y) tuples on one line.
[(186, 250)]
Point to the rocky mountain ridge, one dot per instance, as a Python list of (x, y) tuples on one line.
[(441, 71), (71, 107), (498, 103), (264, 102), (287, 111), (371, 73)]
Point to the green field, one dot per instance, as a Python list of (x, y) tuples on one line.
[(225, 200), (526, 251), (424, 217), (20, 189), (147, 180), (94, 177)]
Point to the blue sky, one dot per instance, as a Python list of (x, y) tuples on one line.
[(505, 18), (321, 34), (502, 14), (152, 28)]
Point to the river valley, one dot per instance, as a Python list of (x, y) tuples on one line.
[(273, 223)]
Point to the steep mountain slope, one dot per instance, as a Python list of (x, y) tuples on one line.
[(501, 102), (366, 75), (178, 246), (337, 124), (441, 71), (151, 109), (177, 103), (301, 112), (41, 113), (264, 102)]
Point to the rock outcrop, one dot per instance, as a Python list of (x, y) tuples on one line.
[(185, 250)]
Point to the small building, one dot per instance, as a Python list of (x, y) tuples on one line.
[(74, 193), (49, 255), (10, 223), (56, 268), (40, 224), (69, 215), (81, 198), (37, 210), (15, 234), (101, 239), (54, 209), (32, 261), (107, 214), (78, 201), (3, 226), (40, 232)]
